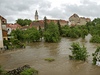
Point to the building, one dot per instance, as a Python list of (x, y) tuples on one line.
[(36, 16), (40, 23), (25, 27), (3, 20), (11, 27), (76, 20), (1, 36), (4, 28)]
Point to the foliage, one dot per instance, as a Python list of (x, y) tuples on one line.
[(33, 35), (45, 23), (13, 43), (84, 33), (52, 34), (95, 39), (23, 22), (41, 32), (2, 72), (16, 43), (65, 29), (59, 27), (49, 59), (29, 72), (29, 35), (96, 55), (96, 21), (74, 32), (18, 34), (78, 52)]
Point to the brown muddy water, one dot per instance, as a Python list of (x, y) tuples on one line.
[(35, 53)]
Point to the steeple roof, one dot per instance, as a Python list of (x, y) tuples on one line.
[(36, 13)]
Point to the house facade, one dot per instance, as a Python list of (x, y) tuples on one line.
[(4, 28), (76, 20), (11, 27), (1, 35)]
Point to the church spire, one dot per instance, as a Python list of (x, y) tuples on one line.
[(36, 15)]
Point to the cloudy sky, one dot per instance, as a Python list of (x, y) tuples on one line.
[(52, 9)]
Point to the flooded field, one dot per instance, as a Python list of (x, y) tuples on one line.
[(35, 53)]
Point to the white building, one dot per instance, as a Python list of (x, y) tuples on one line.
[(1, 36)]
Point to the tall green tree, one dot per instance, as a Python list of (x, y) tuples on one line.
[(52, 33), (45, 23), (59, 26), (40, 31)]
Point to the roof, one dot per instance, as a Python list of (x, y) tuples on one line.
[(25, 27), (41, 22), (37, 23), (13, 26)]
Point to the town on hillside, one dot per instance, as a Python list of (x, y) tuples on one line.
[(6, 28)]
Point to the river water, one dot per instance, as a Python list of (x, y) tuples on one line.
[(35, 53)]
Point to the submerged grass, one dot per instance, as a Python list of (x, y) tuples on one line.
[(49, 59)]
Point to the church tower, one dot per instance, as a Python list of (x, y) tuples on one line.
[(36, 16)]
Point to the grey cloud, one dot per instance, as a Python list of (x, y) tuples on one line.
[(13, 9), (10, 8), (87, 9)]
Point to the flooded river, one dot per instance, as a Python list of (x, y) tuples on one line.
[(35, 53)]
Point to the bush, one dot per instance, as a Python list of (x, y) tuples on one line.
[(78, 52), (95, 39), (96, 56), (49, 59), (29, 72)]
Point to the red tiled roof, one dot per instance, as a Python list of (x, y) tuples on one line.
[(13, 26), (25, 27), (41, 22), (37, 23)]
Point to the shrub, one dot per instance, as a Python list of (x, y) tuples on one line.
[(95, 39), (78, 52), (96, 56), (49, 59)]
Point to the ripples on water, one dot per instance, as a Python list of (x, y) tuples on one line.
[(35, 53)]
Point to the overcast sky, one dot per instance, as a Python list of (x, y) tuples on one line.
[(52, 9)]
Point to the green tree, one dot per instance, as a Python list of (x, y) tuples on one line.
[(45, 23), (65, 30), (18, 34), (78, 52), (40, 31), (33, 35), (23, 22), (52, 33), (59, 27), (84, 33), (96, 21)]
